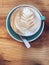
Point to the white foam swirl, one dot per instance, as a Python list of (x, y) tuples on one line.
[(25, 21)]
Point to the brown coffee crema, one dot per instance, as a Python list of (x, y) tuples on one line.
[(23, 21)]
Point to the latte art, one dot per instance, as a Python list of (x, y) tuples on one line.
[(25, 21)]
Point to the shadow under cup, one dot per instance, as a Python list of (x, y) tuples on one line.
[(16, 35)]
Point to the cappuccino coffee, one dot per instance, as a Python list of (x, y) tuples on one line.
[(25, 21)]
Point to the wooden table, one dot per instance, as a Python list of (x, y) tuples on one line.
[(15, 53)]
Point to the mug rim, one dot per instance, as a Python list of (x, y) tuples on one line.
[(25, 5)]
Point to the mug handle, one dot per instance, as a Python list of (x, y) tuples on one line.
[(43, 18)]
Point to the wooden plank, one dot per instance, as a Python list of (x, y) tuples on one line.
[(15, 53)]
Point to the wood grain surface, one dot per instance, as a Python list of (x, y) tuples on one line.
[(15, 53)]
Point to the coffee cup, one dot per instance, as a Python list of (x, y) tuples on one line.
[(25, 20)]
